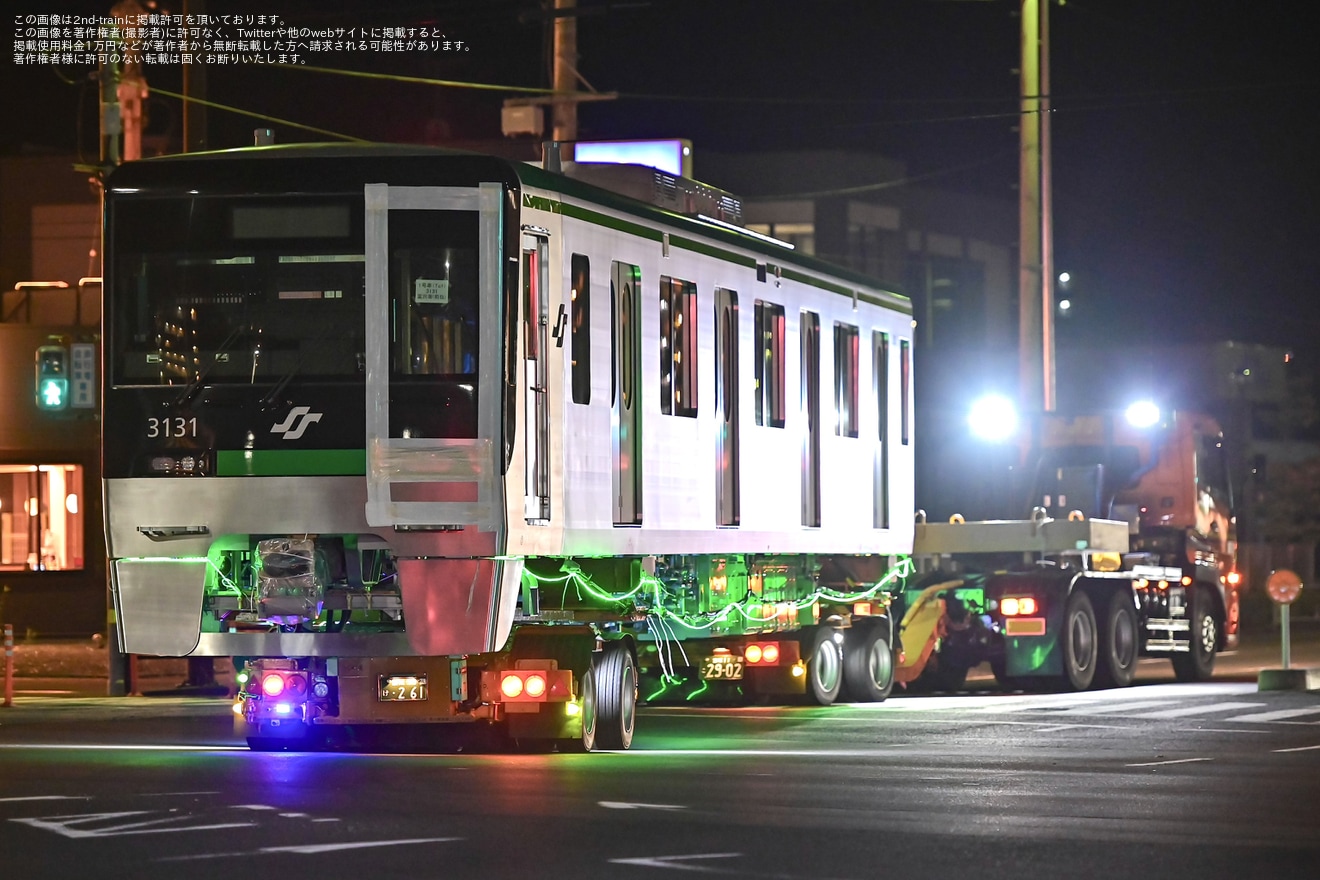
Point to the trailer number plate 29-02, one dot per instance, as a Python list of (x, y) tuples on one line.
[(722, 667), (397, 688)]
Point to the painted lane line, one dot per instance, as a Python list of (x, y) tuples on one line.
[(309, 849), (622, 805), (1160, 763), (1276, 716), (1299, 749), (677, 863), (46, 797), (1196, 710)]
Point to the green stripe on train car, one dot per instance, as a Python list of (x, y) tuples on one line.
[(290, 462)]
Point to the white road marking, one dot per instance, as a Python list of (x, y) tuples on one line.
[(1196, 710), (46, 797), (677, 862), (1160, 763), (64, 825), (1299, 749), (310, 848), (1116, 707), (622, 805), (1276, 716)]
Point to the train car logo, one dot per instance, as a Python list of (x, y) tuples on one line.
[(303, 415)]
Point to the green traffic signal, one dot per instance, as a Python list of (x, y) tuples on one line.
[(52, 377)]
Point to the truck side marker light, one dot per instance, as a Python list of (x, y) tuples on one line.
[(238, 707), (1186, 581), (799, 669), (572, 708)]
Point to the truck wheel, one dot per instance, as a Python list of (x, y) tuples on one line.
[(614, 682), (1079, 642), (824, 665), (589, 728), (1198, 664), (868, 663), (1118, 641)]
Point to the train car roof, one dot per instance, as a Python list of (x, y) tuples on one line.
[(146, 173)]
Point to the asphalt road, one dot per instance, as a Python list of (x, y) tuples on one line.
[(1209, 780)]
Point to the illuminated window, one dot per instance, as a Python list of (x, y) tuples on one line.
[(41, 517), (769, 364), (845, 380), (678, 347), (905, 390), (580, 334)]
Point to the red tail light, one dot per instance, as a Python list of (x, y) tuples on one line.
[(762, 654)]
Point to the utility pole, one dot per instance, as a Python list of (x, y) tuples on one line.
[(1035, 218), (564, 111)]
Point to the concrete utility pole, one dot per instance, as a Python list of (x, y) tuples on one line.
[(1035, 233), (564, 112)]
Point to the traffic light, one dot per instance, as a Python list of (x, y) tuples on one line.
[(52, 377)]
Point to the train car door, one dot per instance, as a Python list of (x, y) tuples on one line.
[(535, 323), (625, 392), (727, 465)]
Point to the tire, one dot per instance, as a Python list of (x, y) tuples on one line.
[(615, 684), (1079, 642), (1198, 664), (824, 665), (1119, 643), (590, 727), (868, 663)]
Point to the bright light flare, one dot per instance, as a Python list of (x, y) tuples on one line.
[(534, 686), (1142, 414), (511, 686), (993, 418), (272, 685)]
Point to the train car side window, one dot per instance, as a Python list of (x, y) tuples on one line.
[(845, 380), (905, 390), (769, 362), (678, 347), (580, 334)]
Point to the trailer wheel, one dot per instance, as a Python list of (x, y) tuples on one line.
[(824, 655), (1198, 664), (1079, 642), (610, 687), (868, 663), (1119, 642)]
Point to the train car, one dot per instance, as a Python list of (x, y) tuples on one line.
[(428, 436)]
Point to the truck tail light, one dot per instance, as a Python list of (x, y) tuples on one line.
[(528, 685), (762, 654), (1014, 606)]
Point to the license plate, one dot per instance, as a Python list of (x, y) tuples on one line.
[(722, 667), (402, 688)]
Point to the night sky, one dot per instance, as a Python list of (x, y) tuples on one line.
[(1185, 133)]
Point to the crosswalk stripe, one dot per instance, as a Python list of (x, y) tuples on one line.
[(1110, 709), (1278, 716), (1196, 710)]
